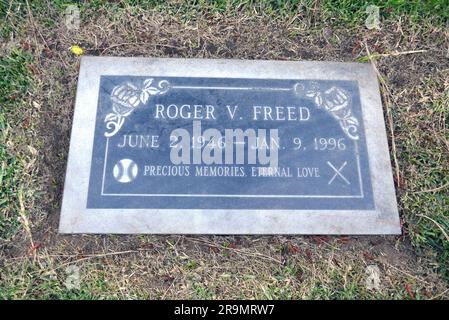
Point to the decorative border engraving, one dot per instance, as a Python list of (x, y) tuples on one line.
[(335, 101), (127, 97)]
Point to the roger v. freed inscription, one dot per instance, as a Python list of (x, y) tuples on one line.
[(229, 143), (192, 147)]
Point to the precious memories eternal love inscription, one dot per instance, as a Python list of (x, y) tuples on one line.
[(181, 146)]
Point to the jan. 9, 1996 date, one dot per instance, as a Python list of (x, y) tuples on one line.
[(318, 144)]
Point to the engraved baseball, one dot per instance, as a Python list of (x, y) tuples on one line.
[(125, 171)]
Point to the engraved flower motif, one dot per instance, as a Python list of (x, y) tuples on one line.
[(127, 97), (336, 101)]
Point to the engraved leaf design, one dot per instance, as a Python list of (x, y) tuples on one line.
[(311, 93), (110, 117), (144, 95), (353, 121), (147, 83), (152, 90), (318, 100)]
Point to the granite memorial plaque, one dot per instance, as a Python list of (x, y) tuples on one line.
[(228, 147)]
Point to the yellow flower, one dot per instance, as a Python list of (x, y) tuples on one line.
[(76, 50)]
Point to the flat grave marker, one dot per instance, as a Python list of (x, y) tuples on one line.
[(190, 146)]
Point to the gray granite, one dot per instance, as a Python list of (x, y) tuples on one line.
[(112, 189)]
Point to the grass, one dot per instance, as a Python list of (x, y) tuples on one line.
[(34, 282), (15, 82), (344, 11), (341, 12), (424, 149), (37, 86)]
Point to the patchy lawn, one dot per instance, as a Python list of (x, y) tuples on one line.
[(38, 76)]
